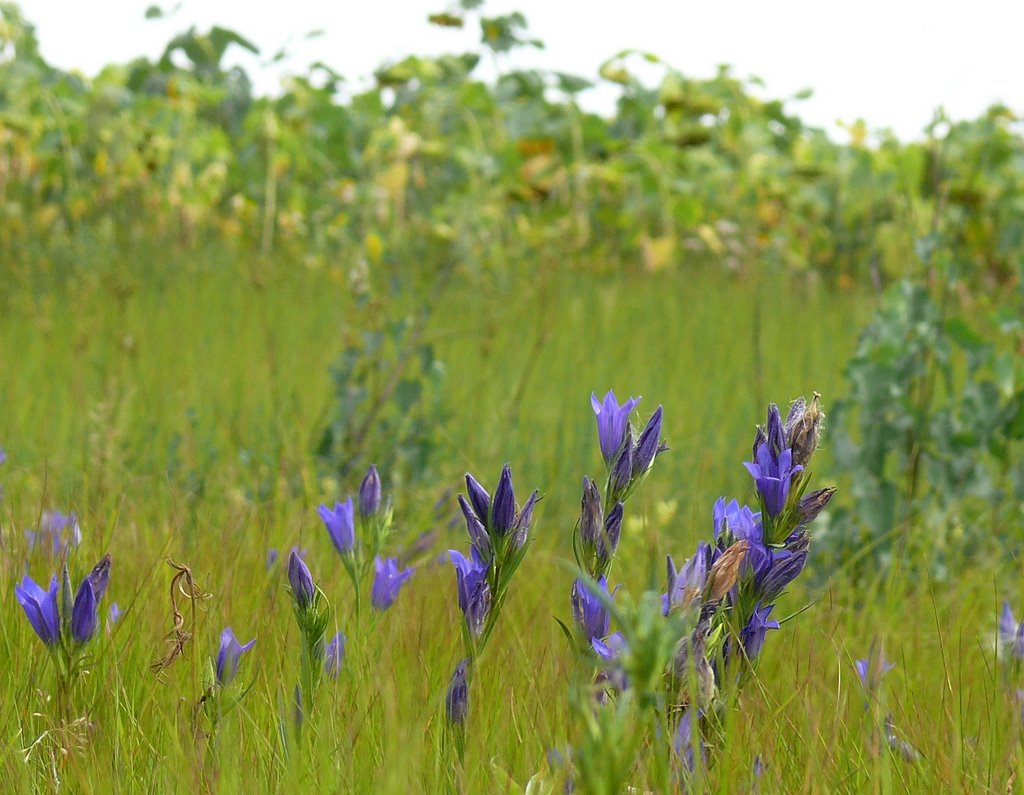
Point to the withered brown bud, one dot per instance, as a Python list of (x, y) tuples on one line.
[(803, 426), (726, 571), (813, 504)]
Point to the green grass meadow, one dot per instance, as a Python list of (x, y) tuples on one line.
[(176, 409)]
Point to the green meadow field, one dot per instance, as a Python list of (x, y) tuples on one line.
[(168, 374)]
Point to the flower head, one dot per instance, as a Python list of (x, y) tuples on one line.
[(334, 655), (84, 614), (612, 422), (114, 614), (1011, 634), (753, 634), (773, 476), (41, 608), (387, 582), (648, 445), (228, 656), (456, 701), (871, 670), (474, 592), (589, 611), (301, 581), (369, 493), (499, 517), (340, 524), (477, 532), (686, 585)]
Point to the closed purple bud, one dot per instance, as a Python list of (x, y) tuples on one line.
[(229, 654), (340, 524), (369, 493), (100, 576), (84, 617), (41, 608), (523, 520), (504, 507), (591, 514), (608, 541), (301, 581), (784, 567), (387, 582), (479, 499), (334, 655), (622, 471), (647, 445), (775, 432), (456, 701), (812, 504), (477, 532), (300, 714)]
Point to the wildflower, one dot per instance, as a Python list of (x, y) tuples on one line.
[(301, 581), (340, 524), (591, 514), (369, 493), (477, 532), (773, 476), (100, 577), (753, 634), (612, 650), (299, 713), (272, 556), (589, 611), (500, 517), (61, 530), (334, 655), (114, 614), (906, 751), (3, 456), (812, 504), (456, 701), (41, 608), (802, 429), (686, 585), (648, 445), (781, 567), (1011, 634), (84, 616), (870, 675), (733, 522), (687, 744), (387, 582), (474, 592), (612, 423), (228, 656)]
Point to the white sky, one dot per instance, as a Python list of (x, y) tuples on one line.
[(890, 62)]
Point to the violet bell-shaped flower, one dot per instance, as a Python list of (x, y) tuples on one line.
[(228, 656), (588, 610), (612, 423), (474, 592), (340, 524), (387, 582), (1011, 634), (40, 607)]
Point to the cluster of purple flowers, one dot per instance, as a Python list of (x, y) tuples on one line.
[(66, 623), (499, 534), (57, 534)]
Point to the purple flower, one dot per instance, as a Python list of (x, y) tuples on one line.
[(369, 493), (780, 567), (647, 445), (84, 614), (622, 469), (591, 514), (340, 524), (871, 670), (3, 456), (736, 521), (41, 608), (773, 476), (753, 634), (500, 517), (61, 531), (609, 649), (301, 581), (387, 582), (477, 532), (229, 655), (474, 592), (1011, 634), (100, 577), (686, 743), (114, 614), (456, 700), (608, 540), (612, 422), (686, 585), (589, 611), (272, 556), (334, 655)]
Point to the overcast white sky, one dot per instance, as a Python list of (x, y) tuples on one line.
[(890, 62)]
